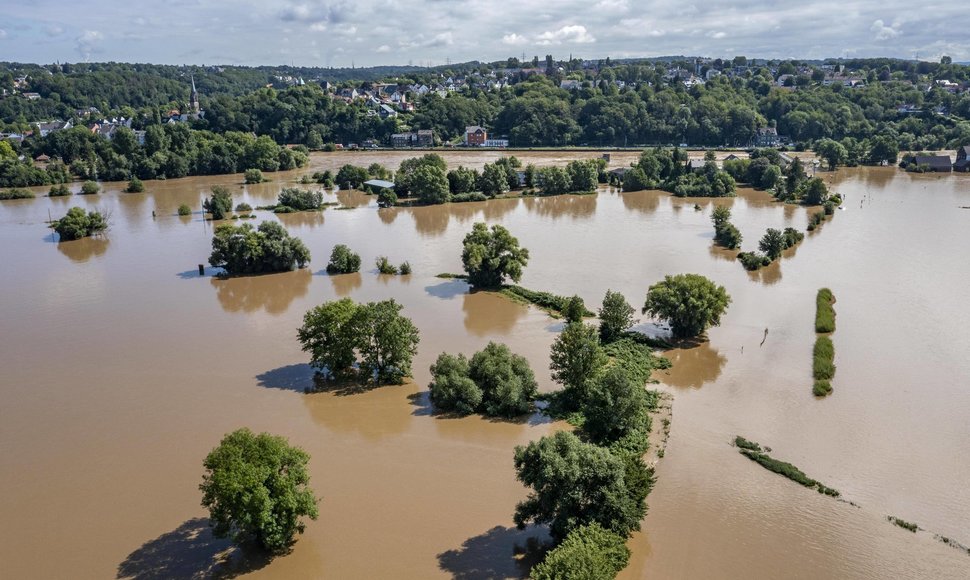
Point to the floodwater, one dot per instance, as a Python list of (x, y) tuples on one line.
[(122, 368)]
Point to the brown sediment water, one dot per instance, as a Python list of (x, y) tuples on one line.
[(122, 368)]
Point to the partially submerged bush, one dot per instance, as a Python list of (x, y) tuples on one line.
[(821, 388), (90, 188), (16, 193), (824, 312), (220, 204), (300, 199), (753, 260), (254, 176), (823, 357), (343, 260), (244, 207), (77, 224), (246, 250), (495, 382), (384, 266), (405, 268), (184, 209), (135, 186), (59, 190)]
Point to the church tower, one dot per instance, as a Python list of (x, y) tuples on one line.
[(194, 98)]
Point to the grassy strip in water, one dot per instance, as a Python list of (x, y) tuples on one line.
[(903, 523), (821, 388), (824, 312), (823, 359), (552, 303), (751, 450), (448, 276)]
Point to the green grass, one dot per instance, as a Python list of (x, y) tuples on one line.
[(552, 303), (448, 276), (753, 451), (903, 523), (824, 312), (821, 388), (743, 443), (635, 358), (823, 359)]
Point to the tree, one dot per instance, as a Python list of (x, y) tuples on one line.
[(462, 180), (387, 341), (814, 191), (491, 256), (403, 179), (772, 243), (635, 180), (493, 180), (832, 152), (589, 552), (507, 383), (615, 407), (135, 186), (883, 148), (727, 236), (77, 224), (253, 175), (720, 216), (329, 335), (574, 484), (574, 309), (219, 204), (351, 177), (616, 316), (257, 486), (300, 199), (451, 387), (688, 302), (245, 250), (343, 260), (430, 184), (577, 359)]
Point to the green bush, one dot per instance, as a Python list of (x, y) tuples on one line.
[(244, 207), (343, 261), (823, 357), (300, 199), (727, 236), (16, 193), (220, 204), (903, 523), (77, 224), (551, 302), (753, 260), (246, 250), (821, 388), (474, 196), (405, 268), (384, 266), (254, 176), (135, 186), (589, 552), (387, 198), (779, 467), (184, 210), (635, 358), (824, 312), (828, 207), (690, 303), (324, 178), (59, 190), (742, 443), (451, 387), (507, 382), (90, 188)]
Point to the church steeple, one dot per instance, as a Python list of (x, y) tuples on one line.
[(194, 98)]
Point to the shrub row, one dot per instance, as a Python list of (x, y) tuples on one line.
[(753, 451), (823, 359), (824, 312)]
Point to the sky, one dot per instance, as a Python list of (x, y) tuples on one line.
[(344, 33)]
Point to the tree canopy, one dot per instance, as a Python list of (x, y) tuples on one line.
[(491, 256), (589, 552), (690, 303), (257, 487), (243, 249), (77, 224)]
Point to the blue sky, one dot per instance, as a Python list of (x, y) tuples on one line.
[(369, 32)]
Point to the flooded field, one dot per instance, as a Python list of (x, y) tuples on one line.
[(122, 368)]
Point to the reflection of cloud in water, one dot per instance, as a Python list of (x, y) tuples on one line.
[(693, 366), (301, 218), (557, 206), (645, 202), (344, 284), (719, 253), (490, 314), (84, 249), (270, 292)]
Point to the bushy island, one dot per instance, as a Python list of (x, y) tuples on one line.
[(669, 170), (243, 249), (79, 224)]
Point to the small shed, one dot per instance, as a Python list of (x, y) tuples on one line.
[(378, 184)]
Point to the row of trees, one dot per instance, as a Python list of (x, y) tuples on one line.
[(668, 169)]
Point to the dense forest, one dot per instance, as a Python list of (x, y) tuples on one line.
[(907, 105)]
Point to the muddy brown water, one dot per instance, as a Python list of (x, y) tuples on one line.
[(122, 368)]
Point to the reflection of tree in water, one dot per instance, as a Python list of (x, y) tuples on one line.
[(490, 314), (189, 552), (497, 208), (557, 206), (645, 202), (353, 198), (431, 220), (501, 552), (270, 292), (301, 218), (388, 214), (693, 366), (344, 284), (466, 211), (719, 253), (84, 249)]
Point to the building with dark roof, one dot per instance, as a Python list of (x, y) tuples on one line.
[(962, 162), (937, 163)]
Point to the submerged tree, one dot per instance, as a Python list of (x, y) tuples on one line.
[(688, 302), (257, 487), (219, 204), (491, 256), (245, 250), (77, 224), (616, 316), (343, 260)]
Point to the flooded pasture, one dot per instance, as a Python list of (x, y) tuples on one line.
[(122, 368)]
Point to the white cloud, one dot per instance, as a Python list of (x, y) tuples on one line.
[(575, 33), (514, 39), (612, 6), (88, 43), (383, 48), (884, 32), (716, 35), (3, 33)]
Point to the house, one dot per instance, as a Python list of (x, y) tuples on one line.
[(425, 138), (500, 143), (936, 163), (696, 165), (571, 85), (475, 136), (46, 129), (31, 96), (963, 159), (422, 138), (731, 157), (386, 112), (767, 137)]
